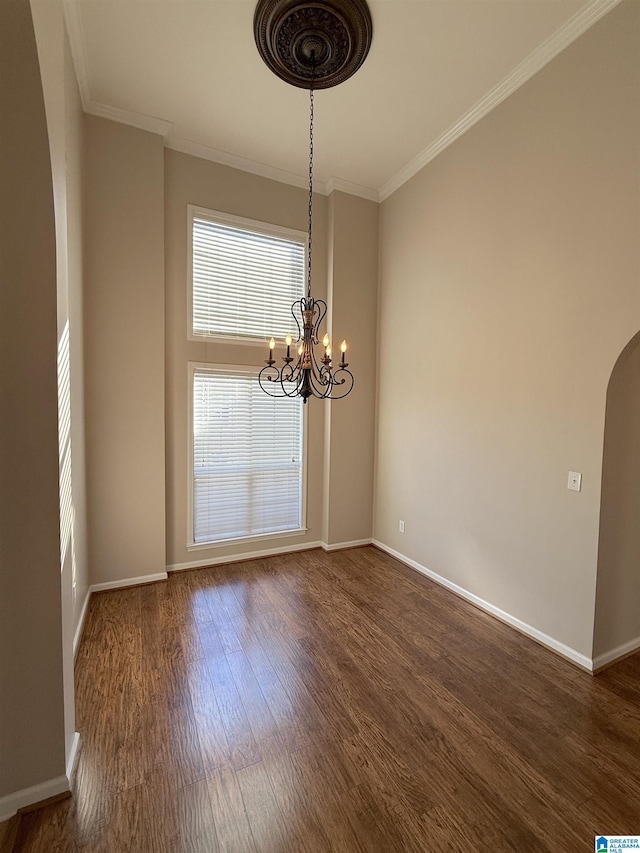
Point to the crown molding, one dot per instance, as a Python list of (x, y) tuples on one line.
[(339, 185), (164, 128), (547, 51), (224, 158), (243, 164), (73, 20), (133, 119), (75, 32)]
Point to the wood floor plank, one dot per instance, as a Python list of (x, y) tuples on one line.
[(297, 810), (335, 702), (265, 818), (255, 706), (196, 823), (214, 746), (321, 794), (232, 825), (244, 749), (293, 723), (210, 641), (8, 831)]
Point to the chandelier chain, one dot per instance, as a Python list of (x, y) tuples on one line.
[(310, 190), (310, 374)]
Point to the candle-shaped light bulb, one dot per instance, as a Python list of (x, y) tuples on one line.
[(272, 344), (325, 341), (288, 340), (343, 347), (300, 350)]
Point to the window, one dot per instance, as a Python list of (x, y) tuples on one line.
[(247, 457), (244, 277), (247, 449)]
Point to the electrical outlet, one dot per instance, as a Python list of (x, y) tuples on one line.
[(575, 481), (401, 527)]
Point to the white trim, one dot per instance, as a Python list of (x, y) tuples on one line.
[(342, 186), (548, 50), (10, 804), (159, 126), (234, 340), (240, 558), (165, 128), (238, 540), (73, 18), (341, 546), (616, 654), (80, 626), (233, 161), (75, 32), (566, 651), (258, 226), (73, 754), (120, 584)]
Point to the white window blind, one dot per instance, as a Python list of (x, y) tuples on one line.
[(247, 457), (244, 281)]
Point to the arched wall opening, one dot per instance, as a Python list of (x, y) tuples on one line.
[(617, 609)]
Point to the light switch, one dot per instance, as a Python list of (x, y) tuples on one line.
[(575, 481)]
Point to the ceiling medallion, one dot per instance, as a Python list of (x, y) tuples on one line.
[(313, 43)]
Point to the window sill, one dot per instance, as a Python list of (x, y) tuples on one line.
[(264, 537)]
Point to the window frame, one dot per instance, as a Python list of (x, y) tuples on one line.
[(263, 228), (244, 370)]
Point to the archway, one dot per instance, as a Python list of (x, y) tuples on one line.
[(617, 611)]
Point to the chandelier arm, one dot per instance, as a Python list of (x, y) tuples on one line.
[(321, 314), (320, 390), (287, 372), (347, 381), (319, 369), (292, 392), (269, 379), (297, 304)]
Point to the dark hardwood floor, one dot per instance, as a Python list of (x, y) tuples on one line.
[(335, 702)]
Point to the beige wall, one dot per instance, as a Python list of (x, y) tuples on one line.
[(124, 350), (190, 180), (350, 423), (509, 284), (64, 125), (74, 123), (340, 472), (32, 747), (618, 589)]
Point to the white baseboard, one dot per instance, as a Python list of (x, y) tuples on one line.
[(616, 654), (80, 626), (73, 755), (341, 546), (10, 804), (239, 558), (581, 660), (98, 587)]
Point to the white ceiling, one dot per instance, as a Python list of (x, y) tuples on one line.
[(189, 69)]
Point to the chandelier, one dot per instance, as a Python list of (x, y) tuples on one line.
[(312, 46)]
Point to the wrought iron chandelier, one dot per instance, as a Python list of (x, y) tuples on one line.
[(312, 46)]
